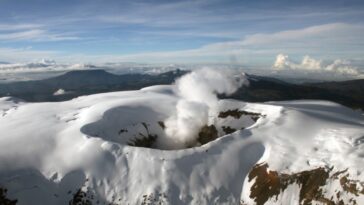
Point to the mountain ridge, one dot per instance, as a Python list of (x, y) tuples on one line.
[(85, 82)]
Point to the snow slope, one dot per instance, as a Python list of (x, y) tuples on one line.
[(50, 151)]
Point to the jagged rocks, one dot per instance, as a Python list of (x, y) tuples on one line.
[(270, 184), (80, 198), (143, 140), (236, 113)]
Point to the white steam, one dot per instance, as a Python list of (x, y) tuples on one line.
[(198, 100)]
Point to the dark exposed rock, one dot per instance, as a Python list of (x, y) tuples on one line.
[(162, 125), (236, 113), (147, 140), (233, 113), (228, 130), (3, 198), (352, 186), (122, 131), (207, 134), (269, 183), (143, 141), (80, 198), (154, 199)]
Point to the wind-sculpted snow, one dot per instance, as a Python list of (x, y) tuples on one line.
[(64, 152), (44, 143)]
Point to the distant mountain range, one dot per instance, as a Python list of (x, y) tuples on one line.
[(86, 82), (348, 93)]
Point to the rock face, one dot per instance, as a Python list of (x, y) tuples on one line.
[(3, 198), (80, 198), (236, 113), (269, 184), (144, 140), (207, 134)]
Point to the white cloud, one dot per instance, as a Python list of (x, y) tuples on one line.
[(41, 66), (337, 40), (14, 27), (31, 32), (342, 66), (22, 35), (328, 38), (281, 62), (310, 64), (334, 40), (35, 35), (325, 32), (25, 54)]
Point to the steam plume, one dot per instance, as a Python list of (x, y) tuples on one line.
[(198, 100)]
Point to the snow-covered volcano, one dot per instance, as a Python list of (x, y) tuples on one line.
[(114, 148)]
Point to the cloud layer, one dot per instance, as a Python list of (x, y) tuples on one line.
[(42, 65), (310, 64), (334, 40)]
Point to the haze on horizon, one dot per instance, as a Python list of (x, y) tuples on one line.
[(250, 33)]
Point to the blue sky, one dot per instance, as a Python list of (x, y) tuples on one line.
[(206, 31)]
